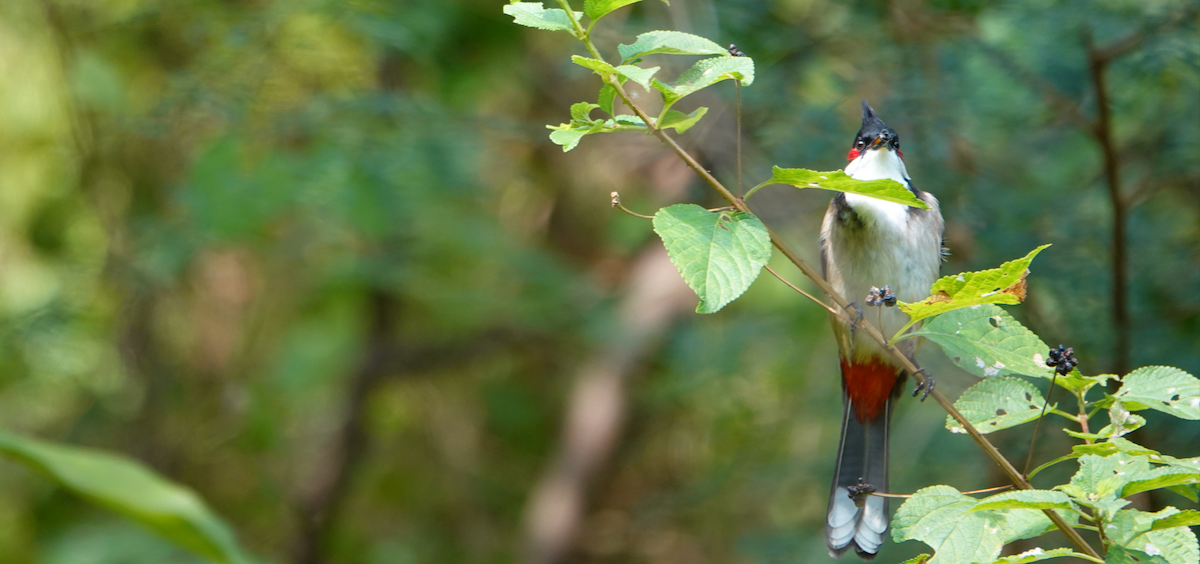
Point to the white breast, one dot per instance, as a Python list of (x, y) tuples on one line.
[(891, 247)]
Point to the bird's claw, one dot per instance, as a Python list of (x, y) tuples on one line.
[(858, 317), (860, 492), (926, 384)]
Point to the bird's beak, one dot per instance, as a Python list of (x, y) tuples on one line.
[(878, 142)]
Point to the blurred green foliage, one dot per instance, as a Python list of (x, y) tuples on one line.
[(318, 254)]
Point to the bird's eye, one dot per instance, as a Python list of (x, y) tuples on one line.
[(861, 143)]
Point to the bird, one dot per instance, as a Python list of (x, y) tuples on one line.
[(867, 243)]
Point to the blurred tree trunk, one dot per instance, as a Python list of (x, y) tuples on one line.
[(654, 298)]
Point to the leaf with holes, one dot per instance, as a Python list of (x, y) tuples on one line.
[(1099, 480), (669, 43), (887, 189), (132, 490), (1003, 285), (1161, 388), (533, 14), (997, 403), (1163, 534), (986, 341), (718, 254), (942, 517)]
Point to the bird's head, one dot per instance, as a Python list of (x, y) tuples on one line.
[(874, 135)]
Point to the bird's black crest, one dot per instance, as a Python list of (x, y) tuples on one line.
[(872, 126)]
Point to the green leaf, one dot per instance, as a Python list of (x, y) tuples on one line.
[(569, 136), (132, 490), (1163, 477), (596, 9), (1037, 555), (1161, 388), (918, 559), (1122, 555), (1112, 446), (705, 73), (671, 43), (626, 119), (1186, 518), (680, 121), (607, 95), (1026, 499), (1192, 492), (1079, 383), (580, 111), (1135, 530), (593, 64), (942, 518), (533, 14), (637, 74), (1121, 422), (718, 254), (986, 341), (997, 403), (1100, 479), (887, 189), (1003, 285)]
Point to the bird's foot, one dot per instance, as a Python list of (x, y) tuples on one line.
[(881, 296), (926, 384), (860, 492), (858, 317)]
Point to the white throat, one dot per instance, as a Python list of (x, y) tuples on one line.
[(878, 164)]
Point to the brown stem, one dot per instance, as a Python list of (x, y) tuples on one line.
[(654, 296)]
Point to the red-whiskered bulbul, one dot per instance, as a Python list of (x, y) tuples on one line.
[(865, 243)]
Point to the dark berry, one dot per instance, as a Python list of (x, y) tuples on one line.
[(1062, 359)]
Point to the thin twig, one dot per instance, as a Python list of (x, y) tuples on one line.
[(1033, 438), (616, 203), (972, 492), (797, 288), (737, 84)]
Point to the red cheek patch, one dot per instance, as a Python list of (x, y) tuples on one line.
[(899, 153), (854, 153)]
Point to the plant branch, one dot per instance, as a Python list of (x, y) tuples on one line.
[(870, 330), (1083, 416), (616, 203), (1038, 427), (802, 292)]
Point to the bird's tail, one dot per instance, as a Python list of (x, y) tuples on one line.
[(862, 459)]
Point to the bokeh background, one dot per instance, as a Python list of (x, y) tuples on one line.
[(318, 261)]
